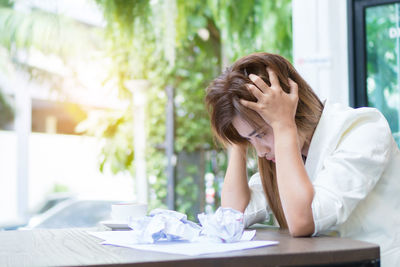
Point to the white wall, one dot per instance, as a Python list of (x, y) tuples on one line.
[(57, 159), (320, 46), (8, 177)]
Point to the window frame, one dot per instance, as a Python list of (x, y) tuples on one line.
[(357, 50)]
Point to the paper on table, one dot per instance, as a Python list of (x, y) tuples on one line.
[(248, 235), (127, 236), (193, 249), (123, 239)]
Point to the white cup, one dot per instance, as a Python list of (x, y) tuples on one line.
[(122, 212)]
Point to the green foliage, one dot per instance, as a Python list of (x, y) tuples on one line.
[(253, 25), (6, 111), (6, 3), (50, 33), (182, 44), (34, 32), (187, 193), (383, 63), (60, 188), (116, 126)]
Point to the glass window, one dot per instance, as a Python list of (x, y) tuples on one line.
[(382, 28)]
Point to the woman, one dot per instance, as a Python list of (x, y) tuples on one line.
[(321, 166)]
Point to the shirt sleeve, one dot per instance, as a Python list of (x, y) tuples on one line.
[(257, 210), (351, 171)]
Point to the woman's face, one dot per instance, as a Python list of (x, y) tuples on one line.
[(262, 139)]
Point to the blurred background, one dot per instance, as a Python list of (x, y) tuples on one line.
[(102, 101)]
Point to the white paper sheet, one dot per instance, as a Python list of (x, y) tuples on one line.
[(124, 239)]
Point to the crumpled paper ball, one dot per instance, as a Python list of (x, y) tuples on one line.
[(164, 224), (225, 225)]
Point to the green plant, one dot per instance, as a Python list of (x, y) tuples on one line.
[(6, 111)]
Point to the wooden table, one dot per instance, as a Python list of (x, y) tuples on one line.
[(74, 247)]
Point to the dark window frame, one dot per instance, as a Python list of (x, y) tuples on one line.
[(357, 50)]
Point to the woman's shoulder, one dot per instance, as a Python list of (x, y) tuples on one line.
[(344, 113), (346, 118), (358, 126)]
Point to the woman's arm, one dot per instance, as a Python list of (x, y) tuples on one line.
[(235, 191), (295, 188), (278, 109)]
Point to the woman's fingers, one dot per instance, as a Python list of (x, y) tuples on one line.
[(273, 104), (273, 79), (255, 91), (259, 82), (249, 104)]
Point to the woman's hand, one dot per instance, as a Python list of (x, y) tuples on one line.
[(275, 106), (235, 190)]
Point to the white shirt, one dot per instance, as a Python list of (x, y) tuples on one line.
[(353, 163)]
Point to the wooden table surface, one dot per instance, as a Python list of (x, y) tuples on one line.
[(74, 247)]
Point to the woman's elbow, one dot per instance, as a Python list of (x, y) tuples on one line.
[(300, 233), (305, 229), (234, 202)]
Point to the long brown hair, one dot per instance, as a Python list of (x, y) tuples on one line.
[(223, 104)]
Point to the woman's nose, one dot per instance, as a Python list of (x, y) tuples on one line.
[(261, 149)]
